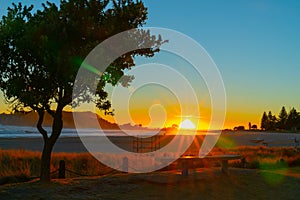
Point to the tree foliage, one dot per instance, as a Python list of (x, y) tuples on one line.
[(282, 118), (41, 53), (285, 121), (264, 122), (293, 120), (271, 121)]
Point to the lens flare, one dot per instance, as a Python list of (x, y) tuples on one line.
[(187, 124), (85, 65)]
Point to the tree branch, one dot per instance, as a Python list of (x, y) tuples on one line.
[(51, 112), (57, 123), (39, 124)]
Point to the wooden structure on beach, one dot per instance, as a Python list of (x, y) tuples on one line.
[(146, 144), (187, 161)]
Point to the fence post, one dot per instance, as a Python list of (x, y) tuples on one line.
[(243, 161), (185, 168), (125, 164), (62, 169)]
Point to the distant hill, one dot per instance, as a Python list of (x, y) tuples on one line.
[(30, 119), (86, 120)]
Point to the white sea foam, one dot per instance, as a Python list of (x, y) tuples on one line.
[(32, 132)]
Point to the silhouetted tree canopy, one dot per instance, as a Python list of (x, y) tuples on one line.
[(282, 118), (293, 120), (41, 53), (271, 121), (254, 126), (285, 121), (264, 122)]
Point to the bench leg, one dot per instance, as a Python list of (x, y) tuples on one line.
[(224, 166)]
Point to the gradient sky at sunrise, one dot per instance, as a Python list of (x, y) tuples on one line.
[(255, 44)]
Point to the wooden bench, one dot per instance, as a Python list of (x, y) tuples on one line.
[(185, 160)]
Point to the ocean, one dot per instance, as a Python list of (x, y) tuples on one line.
[(32, 132)]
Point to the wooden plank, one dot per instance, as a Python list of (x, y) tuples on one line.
[(186, 159)]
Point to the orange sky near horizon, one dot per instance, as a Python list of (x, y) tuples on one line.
[(142, 116), (232, 119)]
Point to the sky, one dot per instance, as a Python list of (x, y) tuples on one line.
[(255, 45)]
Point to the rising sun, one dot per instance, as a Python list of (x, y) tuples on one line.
[(187, 124)]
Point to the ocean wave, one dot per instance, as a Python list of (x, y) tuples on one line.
[(32, 132)]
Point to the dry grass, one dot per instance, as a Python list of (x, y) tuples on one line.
[(265, 157), (19, 162), (22, 163), (27, 163)]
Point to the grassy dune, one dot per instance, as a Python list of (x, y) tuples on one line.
[(273, 175), (22, 163), (263, 157), (25, 164)]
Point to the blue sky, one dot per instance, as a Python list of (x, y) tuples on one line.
[(255, 45)]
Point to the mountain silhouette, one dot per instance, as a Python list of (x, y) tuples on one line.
[(31, 118)]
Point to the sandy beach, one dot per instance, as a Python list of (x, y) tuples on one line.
[(201, 183), (73, 144)]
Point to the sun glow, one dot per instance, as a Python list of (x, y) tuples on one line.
[(187, 124)]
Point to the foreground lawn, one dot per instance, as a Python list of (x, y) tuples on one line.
[(200, 184)]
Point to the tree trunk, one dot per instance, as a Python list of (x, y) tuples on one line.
[(46, 161), (49, 143)]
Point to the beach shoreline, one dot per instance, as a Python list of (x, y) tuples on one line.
[(74, 144)]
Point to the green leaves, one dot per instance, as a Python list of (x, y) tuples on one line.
[(38, 49)]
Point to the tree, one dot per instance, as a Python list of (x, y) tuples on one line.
[(264, 122), (292, 121), (282, 117), (272, 121), (239, 128), (41, 53), (254, 127)]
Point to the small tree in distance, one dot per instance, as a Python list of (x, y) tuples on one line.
[(264, 122), (282, 118), (272, 121), (293, 119), (39, 56)]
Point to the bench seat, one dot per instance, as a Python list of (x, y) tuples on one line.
[(223, 159)]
